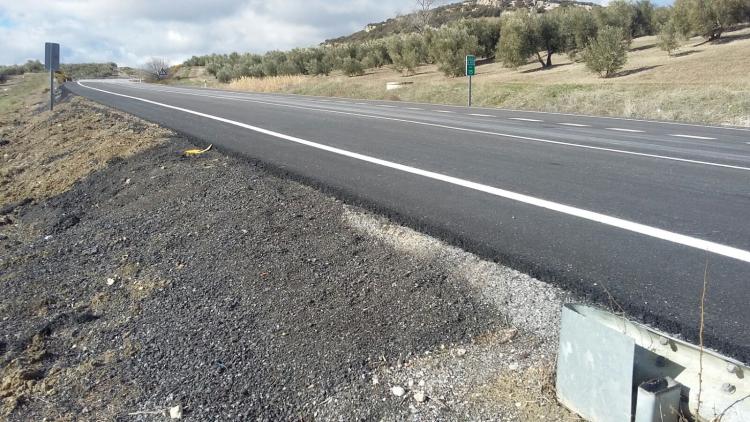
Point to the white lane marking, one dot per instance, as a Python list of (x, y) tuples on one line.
[(360, 103), (480, 115), (619, 129), (385, 105), (694, 137), (414, 108), (654, 232), (462, 129), (523, 120), (574, 124), (495, 109), (444, 111)]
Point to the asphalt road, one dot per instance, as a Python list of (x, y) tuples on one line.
[(627, 212)]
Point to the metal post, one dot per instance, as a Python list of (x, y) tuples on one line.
[(51, 89), (469, 90)]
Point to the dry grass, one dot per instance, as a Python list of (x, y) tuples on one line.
[(702, 83), (271, 84)]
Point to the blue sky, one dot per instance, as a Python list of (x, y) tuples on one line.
[(130, 32)]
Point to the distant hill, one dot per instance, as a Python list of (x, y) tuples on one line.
[(471, 9)]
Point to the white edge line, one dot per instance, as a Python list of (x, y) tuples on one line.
[(523, 119), (512, 110), (619, 129), (462, 129), (480, 115), (575, 124), (654, 232), (705, 138), (444, 111)]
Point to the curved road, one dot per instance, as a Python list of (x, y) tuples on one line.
[(627, 212)]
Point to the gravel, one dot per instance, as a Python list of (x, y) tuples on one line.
[(209, 284)]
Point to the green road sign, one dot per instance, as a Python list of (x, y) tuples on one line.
[(471, 63)]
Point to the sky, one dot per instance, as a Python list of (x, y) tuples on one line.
[(129, 32)]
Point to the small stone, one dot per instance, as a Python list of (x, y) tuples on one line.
[(513, 366), (398, 391), (420, 397), (175, 412), (127, 181), (421, 383), (460, 351), (375, 380), (110, 281), (410, 383)]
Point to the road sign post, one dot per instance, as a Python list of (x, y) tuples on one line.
[(471, 62), (51, 63)]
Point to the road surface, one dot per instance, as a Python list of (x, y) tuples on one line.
[(630, 213)]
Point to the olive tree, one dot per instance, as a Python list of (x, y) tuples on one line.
[(709, 18), (607, 53), (449, 49), (526, 35), (668, 38)]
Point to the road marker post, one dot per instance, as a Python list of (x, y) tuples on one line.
[(471, 70), (51, 63)]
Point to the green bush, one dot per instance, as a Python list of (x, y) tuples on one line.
[(449, 48), (224, 75), (405, 52), (607, 53), (352, 67)]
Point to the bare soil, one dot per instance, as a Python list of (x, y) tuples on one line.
[(136, 279)]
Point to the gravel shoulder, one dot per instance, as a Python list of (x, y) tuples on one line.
[(137, 279)]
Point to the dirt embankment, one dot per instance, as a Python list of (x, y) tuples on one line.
[(137, 280)]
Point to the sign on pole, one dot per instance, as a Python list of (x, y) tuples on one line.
[(52, 63), (471, 65), (163, 73), (471, 70), (52, 56)]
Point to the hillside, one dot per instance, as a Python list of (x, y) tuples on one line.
[(653, 85), (442, 15)]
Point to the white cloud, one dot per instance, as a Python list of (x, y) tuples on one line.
[(129, 32)]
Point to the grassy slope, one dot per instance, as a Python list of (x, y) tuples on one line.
[(703, 83), (21, 91)]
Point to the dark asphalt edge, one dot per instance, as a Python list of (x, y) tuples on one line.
[(568, 281)]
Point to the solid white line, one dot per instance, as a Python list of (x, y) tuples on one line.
[(624, 130), (574, 124), (444, 111), (654, 232), (494, 109), (414, 108), (384, 105), (480, 115), (482, 132), (695, 137), (523, 120)]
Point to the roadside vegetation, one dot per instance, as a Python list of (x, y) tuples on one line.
[(630, 59), (526, 34)]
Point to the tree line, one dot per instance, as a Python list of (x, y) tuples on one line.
[(600, 37)]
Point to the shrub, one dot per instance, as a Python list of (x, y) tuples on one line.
[(450, 47), (352, 67), (224, 75), (709, 18), (607, 53), (404, 53), (668, 37)]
